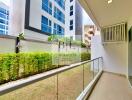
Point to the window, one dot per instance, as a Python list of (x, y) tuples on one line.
[(47, 6), (2, 21), (50, 8), (71, 10), (115, 33), (46, 25), (4, 17), (71, 24), (61, 3), (59, 15), (58, 29), (2, 26), (4, 11), (2, 32), (6, 27)]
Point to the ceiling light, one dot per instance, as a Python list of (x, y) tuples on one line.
[(109, 1)]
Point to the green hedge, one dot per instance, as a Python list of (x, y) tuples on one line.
[(16, 66)]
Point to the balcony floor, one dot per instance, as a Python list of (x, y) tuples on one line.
[(112, 87)]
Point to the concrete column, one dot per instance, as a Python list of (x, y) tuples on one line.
[(17, 17)]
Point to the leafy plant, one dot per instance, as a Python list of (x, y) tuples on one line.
[(14, 66), (66, 40)]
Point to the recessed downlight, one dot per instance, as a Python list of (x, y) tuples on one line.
[(109, 1)]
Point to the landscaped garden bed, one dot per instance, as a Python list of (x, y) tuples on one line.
[(15, 66)]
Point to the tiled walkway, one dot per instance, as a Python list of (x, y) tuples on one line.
[(112, 87)]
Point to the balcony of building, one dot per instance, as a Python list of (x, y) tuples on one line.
[(108, 76), (114, 22)]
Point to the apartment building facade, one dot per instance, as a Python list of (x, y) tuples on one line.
[(47, 16), (37, 19), (74, 20), (4, 18), (40, 18), (89, 32)]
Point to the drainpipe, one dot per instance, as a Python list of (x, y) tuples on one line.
[(17, 45)]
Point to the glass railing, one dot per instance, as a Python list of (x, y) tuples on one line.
[(65, 83)]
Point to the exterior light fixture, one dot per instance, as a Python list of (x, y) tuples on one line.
[(109, 1)]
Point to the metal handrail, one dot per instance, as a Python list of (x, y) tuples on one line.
[(11, 86)]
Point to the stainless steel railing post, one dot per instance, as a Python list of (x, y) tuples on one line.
[(57, 84), (83, 76), (93, 68)]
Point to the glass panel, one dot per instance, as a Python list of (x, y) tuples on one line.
[(100, 64), (70, 84), (96, 67), (42, 90), (88, 74)]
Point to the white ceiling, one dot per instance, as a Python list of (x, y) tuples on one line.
[(108, 14)]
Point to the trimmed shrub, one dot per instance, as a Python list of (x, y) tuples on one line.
[(85, 56), (15, 66)]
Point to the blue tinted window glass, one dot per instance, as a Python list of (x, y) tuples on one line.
[(6, 27), (2, 16), (47, 6), (2, 21), (59, 15), (71, 0), (45, 20), (58, 29), (46, 25), (3, 11), (2, 26), (2, 32), (61, 3)]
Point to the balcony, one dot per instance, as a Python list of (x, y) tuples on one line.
[(103, 78)]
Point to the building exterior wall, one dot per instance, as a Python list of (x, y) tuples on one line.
[(77, 18), (78, 21), (89, 32), (36, 12), (29, 16), (68, 32), (114, 55), (7, 45), (21, 13), (4, 18), (31, 45), (17, 17)]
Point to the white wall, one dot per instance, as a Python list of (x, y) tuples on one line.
[(7, 45), (30, 46), (35, 13), (17, 17), (114, 55), (35, 35)]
